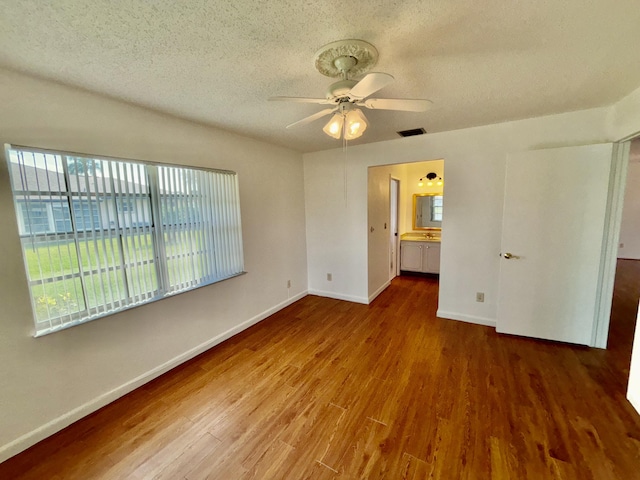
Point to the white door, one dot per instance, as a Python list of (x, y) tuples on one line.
[(554, 218), (393, 224)]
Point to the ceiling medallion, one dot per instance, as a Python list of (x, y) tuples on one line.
[(330, 59)]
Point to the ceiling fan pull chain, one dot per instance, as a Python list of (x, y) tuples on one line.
[(344, 161)]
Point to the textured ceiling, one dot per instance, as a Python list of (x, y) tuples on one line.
[(217, 62)]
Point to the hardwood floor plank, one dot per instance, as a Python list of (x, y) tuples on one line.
[(271, 462), (363, 458), (194, 454), (326, 389)]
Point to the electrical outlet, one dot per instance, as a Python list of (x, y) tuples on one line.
[(480, 297), (329, 277), (288, 283)]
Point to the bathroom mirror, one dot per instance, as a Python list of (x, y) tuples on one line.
[(427, 211)]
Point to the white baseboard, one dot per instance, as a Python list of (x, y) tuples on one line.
[(373, 296), (339, 296), (634, 401), (488, 322), (25, 441)]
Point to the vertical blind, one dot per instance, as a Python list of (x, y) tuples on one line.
[(103, 235)]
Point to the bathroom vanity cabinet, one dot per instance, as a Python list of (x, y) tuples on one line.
[(417, 256)]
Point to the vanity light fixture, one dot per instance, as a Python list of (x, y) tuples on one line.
[(430, 177)]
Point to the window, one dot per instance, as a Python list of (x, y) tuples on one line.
[(103, 235), (436, 208)]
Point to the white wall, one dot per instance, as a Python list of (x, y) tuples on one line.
[(633, 390), (474, 183), (51, 381), (630, 227), (378, 215)]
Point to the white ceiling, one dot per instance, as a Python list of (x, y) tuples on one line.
[(217, 62)]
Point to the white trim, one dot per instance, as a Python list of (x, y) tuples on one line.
[(634, 401), (373, 296), (488, 322), (339, 296), (613, 221), (31, 438), (396, 237)]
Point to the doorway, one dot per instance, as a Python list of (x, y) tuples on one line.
[(626, 292), (391, 189)]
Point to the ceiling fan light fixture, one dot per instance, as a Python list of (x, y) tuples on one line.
[(356, 124), (334, 127), (348, 59)]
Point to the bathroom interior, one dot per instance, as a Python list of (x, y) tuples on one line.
[(410, 197)]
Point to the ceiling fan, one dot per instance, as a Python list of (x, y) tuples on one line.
[(346, 59)]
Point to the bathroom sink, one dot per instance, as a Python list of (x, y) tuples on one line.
[(420, 237)]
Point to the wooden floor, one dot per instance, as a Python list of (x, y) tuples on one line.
[(327, 389)]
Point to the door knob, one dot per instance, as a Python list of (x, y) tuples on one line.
[(508, 256)]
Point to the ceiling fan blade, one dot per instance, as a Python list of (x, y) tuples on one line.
[(321, 101), (403, 104), (313, 117), (371, 83)]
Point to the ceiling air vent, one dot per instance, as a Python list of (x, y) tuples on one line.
[(412, 132)]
